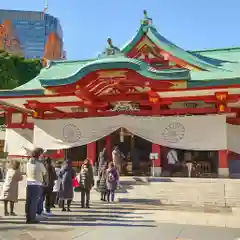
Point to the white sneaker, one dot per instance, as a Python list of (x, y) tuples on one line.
[(48, 214), (40, 217)]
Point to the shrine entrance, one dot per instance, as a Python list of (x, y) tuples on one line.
[(135, 149)]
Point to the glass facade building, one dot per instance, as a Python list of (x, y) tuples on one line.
[(31, 30)]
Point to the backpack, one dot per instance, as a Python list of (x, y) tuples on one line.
[(110, 176)]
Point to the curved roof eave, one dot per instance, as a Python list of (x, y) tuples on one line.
[(130, 44), (21, 93), (116, 63)]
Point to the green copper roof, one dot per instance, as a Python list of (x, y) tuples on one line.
[(76, 72), (168, 46), (67, 72), (222, 66)]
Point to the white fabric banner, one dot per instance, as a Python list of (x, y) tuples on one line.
[(233, 138), (18, 142), (188, 132)]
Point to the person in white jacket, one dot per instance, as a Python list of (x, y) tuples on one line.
[(56, 187)]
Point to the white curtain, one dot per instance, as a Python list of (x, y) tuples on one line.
[(233, 138), (18, 141), (188, 132)]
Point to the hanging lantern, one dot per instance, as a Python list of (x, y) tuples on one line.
[(153, 97), (221, 108)]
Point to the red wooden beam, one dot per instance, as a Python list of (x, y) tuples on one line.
[(141, 98), (21, 126), (165, 100), (233, 120), (169, 112), (205, 98), (36, 105)]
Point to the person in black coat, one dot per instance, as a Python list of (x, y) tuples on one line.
[(49, 183)]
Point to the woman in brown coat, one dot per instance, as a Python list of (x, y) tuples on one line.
[(10, 187)]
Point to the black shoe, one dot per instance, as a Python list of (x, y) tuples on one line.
[(13, 214), (82, 206), (101, 199), (87, 206), (6, 214), (68, 210), (64, 209), (32, 222)]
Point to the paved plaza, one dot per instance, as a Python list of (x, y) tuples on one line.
[(124, 221)]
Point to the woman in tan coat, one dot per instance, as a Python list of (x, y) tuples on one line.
[(10, 187)]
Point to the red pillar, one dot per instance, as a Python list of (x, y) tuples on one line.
[(157, 149), (108, 147), (91, 152), (223, 170)]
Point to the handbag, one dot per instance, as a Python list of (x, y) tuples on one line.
[(77, 187), (75, 182)]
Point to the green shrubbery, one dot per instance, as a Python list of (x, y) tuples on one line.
[(16, 70)]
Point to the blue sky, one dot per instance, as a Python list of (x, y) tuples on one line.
[(190, 24)]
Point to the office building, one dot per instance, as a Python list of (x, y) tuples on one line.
[(31, 34)]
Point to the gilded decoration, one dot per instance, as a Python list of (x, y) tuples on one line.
[(112, 74)]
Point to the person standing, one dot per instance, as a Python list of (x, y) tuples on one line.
[(102, 179), (173, 162), (56, 187), (112, 181), (117, 157), (49, 182), (35, 173), (66, 175), (10, 187), (40, 210), (102, 159), (86, 181)]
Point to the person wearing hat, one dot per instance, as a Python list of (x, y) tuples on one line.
[(35, 174)]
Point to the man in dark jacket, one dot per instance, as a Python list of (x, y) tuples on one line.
[(49, 183)]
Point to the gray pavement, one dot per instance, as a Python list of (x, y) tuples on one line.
[(106, 221)]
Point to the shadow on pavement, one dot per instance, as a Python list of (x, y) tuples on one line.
[(152, 179), (105, 216), (140, 200)]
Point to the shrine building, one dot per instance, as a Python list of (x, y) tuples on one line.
[(149, 95)]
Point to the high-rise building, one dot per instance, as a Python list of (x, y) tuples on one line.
[(31, 34)]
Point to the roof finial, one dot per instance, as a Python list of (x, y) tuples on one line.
[(111, 49), (145, 14), (146, 20), (109, 41)]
